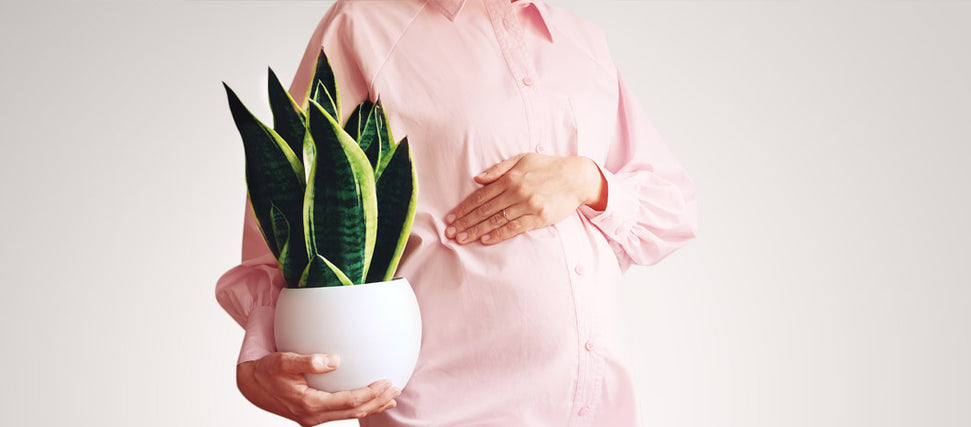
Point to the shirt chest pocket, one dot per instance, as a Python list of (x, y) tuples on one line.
[(576, 131), (594, 108), (582, 120)]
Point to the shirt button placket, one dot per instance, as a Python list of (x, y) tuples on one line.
[(512, 42)]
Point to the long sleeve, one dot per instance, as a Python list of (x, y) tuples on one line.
[(651, 202), (249, 291)]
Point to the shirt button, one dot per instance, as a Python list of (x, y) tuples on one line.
[(589, 346), (540, 148), (579, 270), (527, 81), (584, 411)]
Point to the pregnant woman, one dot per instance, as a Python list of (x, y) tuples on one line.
[(541, 181)]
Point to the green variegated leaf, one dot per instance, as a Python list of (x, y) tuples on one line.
[(308, 152), (370, 139), (274, 177), (355, 123), (397, 195), (281, 228), (288, 120), (384, 137), (322, 97), (340, 209), (322, 273), (290, 268), (324, 75)]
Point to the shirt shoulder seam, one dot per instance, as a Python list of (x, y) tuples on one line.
[(606, 67), (393, 47)]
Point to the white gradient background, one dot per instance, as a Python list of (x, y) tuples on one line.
[(829, 285)]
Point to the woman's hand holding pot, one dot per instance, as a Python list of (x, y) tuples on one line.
[(276, 383)]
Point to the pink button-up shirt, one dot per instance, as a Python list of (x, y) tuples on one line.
[(520, 333)]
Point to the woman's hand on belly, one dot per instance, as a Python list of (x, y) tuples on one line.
[(523, 193)]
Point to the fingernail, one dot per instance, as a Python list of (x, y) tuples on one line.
[(396, 392), (462, 236), (333, 361), (318, 362), (486, 238), (450, 218), (450, 232)]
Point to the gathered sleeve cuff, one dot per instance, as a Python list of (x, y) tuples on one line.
[(651, 206), (248, 292)]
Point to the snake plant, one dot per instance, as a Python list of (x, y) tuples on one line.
[(334, 203)]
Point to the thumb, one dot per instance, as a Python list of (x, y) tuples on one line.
[(310, 363), (323, 363), (498, 170)]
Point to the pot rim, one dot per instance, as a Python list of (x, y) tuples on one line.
[(395, 280)]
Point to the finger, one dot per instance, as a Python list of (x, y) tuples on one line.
[(392, 404), (498, 170), (316, 407), (500, 218), (378, 404), (512, 228), (481, 219), (348, 400), (294, 363), (476, 199)]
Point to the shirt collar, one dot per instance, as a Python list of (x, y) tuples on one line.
[(452, 8)]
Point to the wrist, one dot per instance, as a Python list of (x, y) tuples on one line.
[(594, 184)]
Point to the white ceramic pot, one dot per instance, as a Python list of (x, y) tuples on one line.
[(375, 328)]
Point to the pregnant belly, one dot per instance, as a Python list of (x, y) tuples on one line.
[(476, 300), (499, 322)]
